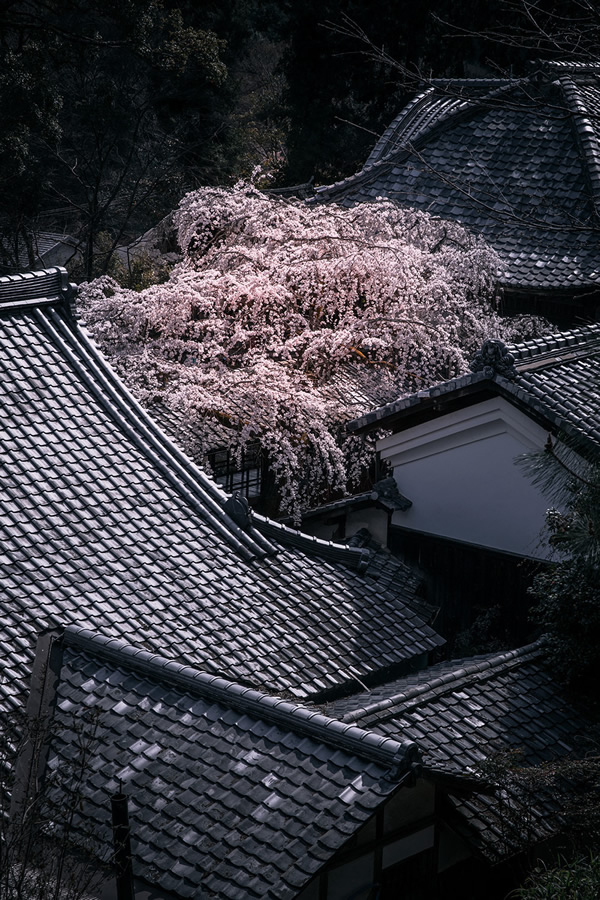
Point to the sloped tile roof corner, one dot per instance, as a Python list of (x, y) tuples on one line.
[(377, 417), (462, 713), (234, 786), (556, 379), (516, 161), (107, 525)]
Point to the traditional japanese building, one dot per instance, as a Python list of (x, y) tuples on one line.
[(461, 453), (516, 161), (108, 529), (236, 674), (453, 447)]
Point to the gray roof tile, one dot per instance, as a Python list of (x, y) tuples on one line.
[(462, 712), (556, 380), (214, 823), (515, 161), (105, 524), (509, 698)]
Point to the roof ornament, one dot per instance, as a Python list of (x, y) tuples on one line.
[(494, 359), (238, 509), (386, 489), (407, 766), (32, 289)]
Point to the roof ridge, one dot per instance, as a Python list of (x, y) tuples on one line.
[(205, 497), (372, 496), (586, 136), (471, 106), (441, 684), (476, 81), (356, 557), (262, 527), (411, 108), (522, 391), (567, 342), (519, 388), (185, 476), (45, 287), (406, 125), (551, 66), (292, 716), (436, 390)]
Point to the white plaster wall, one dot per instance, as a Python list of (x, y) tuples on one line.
[(374, 520), (460, 474)]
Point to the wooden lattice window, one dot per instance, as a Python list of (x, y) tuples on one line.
[(242, 474)]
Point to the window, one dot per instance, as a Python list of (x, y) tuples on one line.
[(243, 476)]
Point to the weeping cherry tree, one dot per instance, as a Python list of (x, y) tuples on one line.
[(283, 320)]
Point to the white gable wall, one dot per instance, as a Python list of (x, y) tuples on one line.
[(460, 474)]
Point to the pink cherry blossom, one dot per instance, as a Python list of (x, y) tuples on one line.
[(284, 320)]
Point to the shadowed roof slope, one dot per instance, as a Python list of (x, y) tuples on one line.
[(104, 523), (232, 793), (464, 712), (516, 161)]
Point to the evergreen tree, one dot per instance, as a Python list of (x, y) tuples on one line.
[(568, 592), (99, 104)]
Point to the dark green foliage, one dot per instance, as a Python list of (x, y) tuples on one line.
[(486, 634), (562, 796), (568, 610), (30, 107), (112, 110), (568, 592), (99, 104), (577, 879)]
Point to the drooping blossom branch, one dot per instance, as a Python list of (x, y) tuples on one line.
[(284, 320)]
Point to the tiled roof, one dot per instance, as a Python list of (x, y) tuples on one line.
[(105, 524), (516, 161), (232, 793), (428, 109), (556, 380), (383, 495), (49, 249), (461, 713)]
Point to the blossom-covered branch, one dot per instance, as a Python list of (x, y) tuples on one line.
[(284, 320)]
